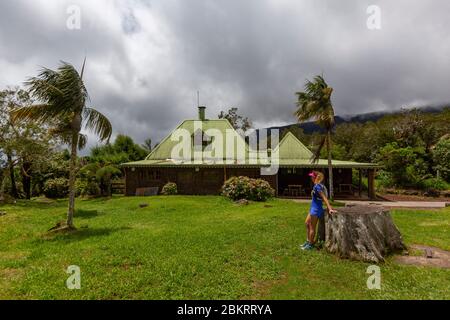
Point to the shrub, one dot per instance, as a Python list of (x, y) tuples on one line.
[(238, 188), (170, 189), (85, 188), (435, 183), (384, 179), (406, 166), (441, 157), (56, 188), (7, 186)]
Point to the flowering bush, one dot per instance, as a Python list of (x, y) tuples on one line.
[(56, 188), (170, 189), (238, 188)]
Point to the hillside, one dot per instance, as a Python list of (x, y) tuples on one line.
[(311, 127)]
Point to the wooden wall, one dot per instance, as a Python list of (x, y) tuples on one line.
[(205, 181), (209, 181)]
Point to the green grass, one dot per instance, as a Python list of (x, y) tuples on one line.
[(198, 248)]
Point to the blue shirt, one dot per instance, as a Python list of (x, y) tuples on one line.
[(317, 202)]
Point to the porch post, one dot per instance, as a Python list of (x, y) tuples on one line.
[(360, 183), (371, 183)]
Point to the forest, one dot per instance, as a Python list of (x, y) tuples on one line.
[(412, 145)]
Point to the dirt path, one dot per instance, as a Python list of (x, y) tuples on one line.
[(395, 204), (431, 257), (404, 204)]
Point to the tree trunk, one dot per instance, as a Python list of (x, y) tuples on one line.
[(321, 232), (72, 177), (12, 177), (330, 167), (363, 232), (26, 179)]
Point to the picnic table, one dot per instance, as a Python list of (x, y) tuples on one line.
[(294, 190)]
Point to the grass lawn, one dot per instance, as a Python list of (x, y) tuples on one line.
[(199, 248)]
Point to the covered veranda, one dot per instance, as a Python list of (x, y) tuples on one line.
[(293, 180)]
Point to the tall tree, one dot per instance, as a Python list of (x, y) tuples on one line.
[(63, 97), (315, 103), (123, 149), (237, 121), (24, 145), (8, 134)]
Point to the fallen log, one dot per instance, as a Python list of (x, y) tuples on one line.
[(362, 232)]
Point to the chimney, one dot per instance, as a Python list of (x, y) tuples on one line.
[(202, 113)]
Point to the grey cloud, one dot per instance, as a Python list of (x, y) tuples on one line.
[(146, 67)]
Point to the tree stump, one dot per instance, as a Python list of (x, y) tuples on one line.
[(362, 232)]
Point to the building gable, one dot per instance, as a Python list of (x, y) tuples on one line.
[(292, 148)]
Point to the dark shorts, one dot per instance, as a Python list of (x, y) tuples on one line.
[(317, 212)]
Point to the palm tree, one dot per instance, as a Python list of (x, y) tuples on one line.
[(315, 103), (63, 97)]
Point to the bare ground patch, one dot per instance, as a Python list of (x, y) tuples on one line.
[(9, 276), (431, 257)]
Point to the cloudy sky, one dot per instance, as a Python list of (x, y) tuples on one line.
[(148, 58)]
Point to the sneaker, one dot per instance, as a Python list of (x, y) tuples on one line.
[(304, 245), (308, 247)]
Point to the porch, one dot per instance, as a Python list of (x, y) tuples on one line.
[(295, 183)]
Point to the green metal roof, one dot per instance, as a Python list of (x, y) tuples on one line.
[(291, 148), (322, 163), (164, 150), (291, 152)]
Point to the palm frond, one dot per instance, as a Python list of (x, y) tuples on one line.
[(90, 170), (107, 172), (82, 141), (37, 113), (98, 123), (74, 89), (315, 103), (45, 88), (63, 88)]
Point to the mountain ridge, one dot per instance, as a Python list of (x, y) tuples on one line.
[(312, 127)]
